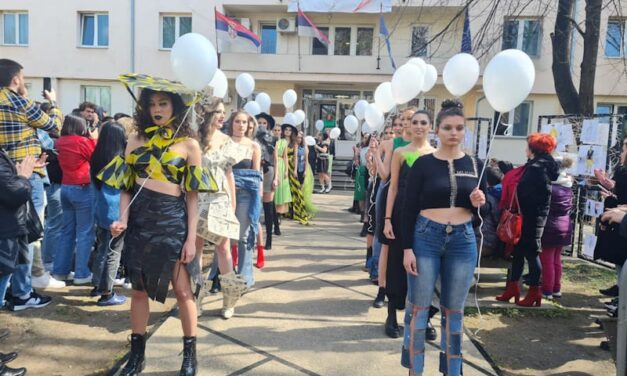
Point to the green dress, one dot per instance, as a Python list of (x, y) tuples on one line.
[(282, 194)]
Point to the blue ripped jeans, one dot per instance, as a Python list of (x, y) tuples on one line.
[(247, 211), (452, 256)]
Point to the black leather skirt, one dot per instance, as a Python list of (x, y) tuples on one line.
[(157, 229)]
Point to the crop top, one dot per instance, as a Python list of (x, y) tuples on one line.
[(244, 164), (154, 160), (434, 183)]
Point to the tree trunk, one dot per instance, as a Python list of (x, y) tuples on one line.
[(560, 40), (590, 53)]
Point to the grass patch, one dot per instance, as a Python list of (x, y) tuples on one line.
[(551, 313), (584, 273)]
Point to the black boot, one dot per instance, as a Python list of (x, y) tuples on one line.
[(277, 221), (364, 230), (391, 325), (6, 358), (188, 368), (268, 214), (368, 257), (136, 360), (215, 285), (379, 301), (430, 333), (7, 371)]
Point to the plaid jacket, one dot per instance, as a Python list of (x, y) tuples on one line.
[(20, 118)]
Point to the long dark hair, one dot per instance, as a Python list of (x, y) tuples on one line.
[(205, 113), (111, 143), (143, 119), (74, 126)]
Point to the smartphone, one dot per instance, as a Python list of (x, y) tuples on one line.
[(47, 84)]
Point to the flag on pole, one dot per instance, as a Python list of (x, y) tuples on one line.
[(466, 36), (383, 32), (306, 28), (362, 4), (231, 31)]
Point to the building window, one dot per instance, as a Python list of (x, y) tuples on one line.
[(523, 35), (364, 41), (173, 27), (15, 28), (100, 95), (268, 39), (615, 39), (94, 29), (419, 39), (318, 48), (520, 121), (342, 43)]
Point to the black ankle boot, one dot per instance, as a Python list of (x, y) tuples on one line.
[(268, 214), (277, 221), (188, 368), (379, 301), (136, 361)]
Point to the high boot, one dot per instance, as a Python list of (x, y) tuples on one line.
[(277, 221), (533, 297), (260, 257), (234, 255), (512, 289), (136, 360), (233, 286), (188, 368), (268, 214)]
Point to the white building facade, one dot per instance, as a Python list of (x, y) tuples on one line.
[(83, 46)]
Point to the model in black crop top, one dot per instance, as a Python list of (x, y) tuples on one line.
[(434, 183), (244, 164)]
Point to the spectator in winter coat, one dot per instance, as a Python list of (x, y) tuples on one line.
[(490, 212), (557, 232)]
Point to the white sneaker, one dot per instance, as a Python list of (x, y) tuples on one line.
[(127, 285), (322, 189), (329, 188), (118, 282), (227, 313), (83, 281), (61, 277), (46, 281)]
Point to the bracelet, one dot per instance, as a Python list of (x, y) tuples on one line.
[(390, 218)]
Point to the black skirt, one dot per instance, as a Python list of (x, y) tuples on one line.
[(157, 230)]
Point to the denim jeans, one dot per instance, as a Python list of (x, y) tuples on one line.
[(247, 211), (452, 256), (21, 282), (4, 283), (77, 202), (53, 229), (107, 260)]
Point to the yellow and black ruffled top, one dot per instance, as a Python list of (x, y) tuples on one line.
[(154, 160)]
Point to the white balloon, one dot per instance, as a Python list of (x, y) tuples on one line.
[(319, 125), (300, 116), (418, 62), (289, 98), (383, 98), (360, 108), (508, 79), (365, 128), (335, 133), (431, 77), (219, 83), (460, 74), (290, 119), (194, 60), (309, 140), (351, 124), (245, 85), (252, 108), (374, 117), (407, 82), (264, 101)]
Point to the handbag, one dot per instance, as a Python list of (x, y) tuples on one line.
[(509, 229), (33, 223)]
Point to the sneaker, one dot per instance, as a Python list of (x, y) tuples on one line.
[(127, 285), (111, 300), (34, 301), (95, 292), (547, 296), (118, 282), (46, 281), (328, 189), (557, 295), (83, 281), (62, 277), (227, 313), (612, 304)]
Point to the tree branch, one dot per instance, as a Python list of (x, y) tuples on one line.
[(576, 26)]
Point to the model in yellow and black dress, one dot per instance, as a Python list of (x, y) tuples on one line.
[(160, 176), (298, 209)]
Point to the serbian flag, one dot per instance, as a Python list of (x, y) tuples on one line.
[(361, 5), (231, 31), (306, 28)]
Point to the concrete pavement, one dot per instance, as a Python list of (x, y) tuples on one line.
[(309, 313)]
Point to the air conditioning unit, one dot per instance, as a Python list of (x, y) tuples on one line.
[(286, 25)]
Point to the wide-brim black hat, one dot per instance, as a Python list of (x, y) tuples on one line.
[(294, 129), (268, 118)]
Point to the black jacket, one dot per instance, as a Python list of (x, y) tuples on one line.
[(534, 196), (15, 191)]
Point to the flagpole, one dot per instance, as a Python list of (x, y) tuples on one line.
[(379, 44), (298, 36), (215, 10)]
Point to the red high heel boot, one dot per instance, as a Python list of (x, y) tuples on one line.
[(261, 261), (512, 289), (234, 255), (533, 297)]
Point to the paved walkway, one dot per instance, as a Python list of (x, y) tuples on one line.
[(309, 313)]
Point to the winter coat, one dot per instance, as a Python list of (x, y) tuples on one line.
[(15, 192), (558, 229), (613, 248), (534, 197), (490, 213)]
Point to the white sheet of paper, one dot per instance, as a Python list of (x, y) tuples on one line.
[(595, 133), (591, 157), (483, 144), (589, 242), (594, 208), (563, 134)]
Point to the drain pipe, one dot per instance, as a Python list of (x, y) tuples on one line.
[(132, 36), (621, 328)]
